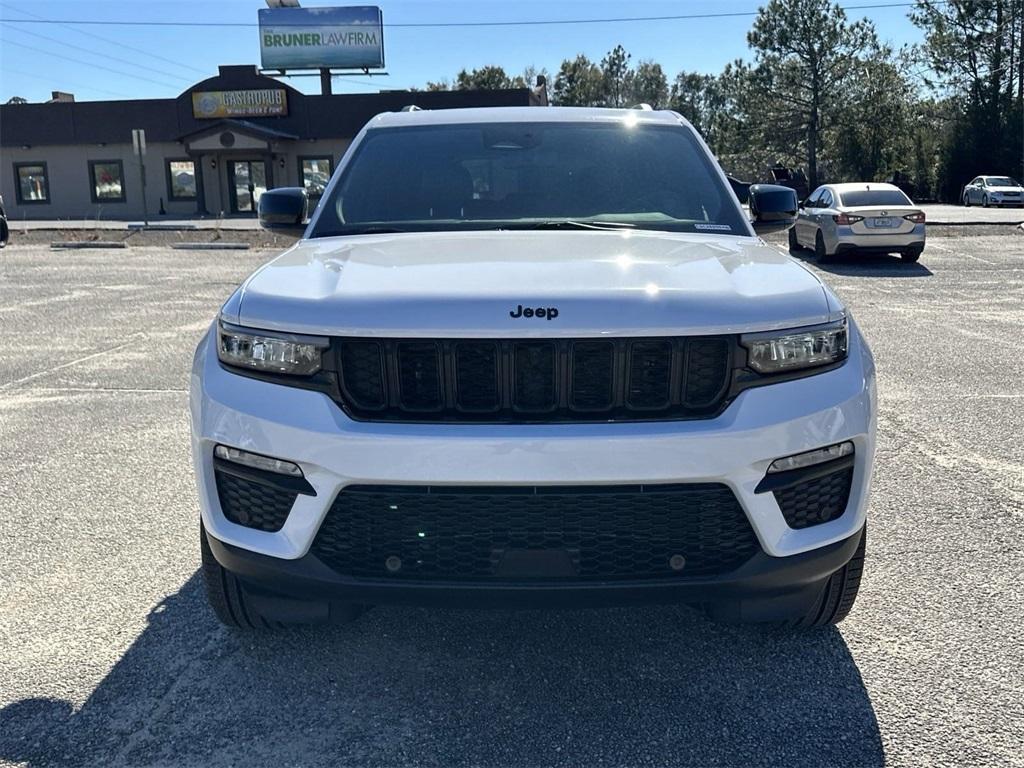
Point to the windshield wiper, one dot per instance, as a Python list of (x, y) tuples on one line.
[(569, 224), (360, 231), (548, 224)]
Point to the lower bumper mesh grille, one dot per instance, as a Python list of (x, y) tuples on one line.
[(253, 504), (816, 501), (550, 533)]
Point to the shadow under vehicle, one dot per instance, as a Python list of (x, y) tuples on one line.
[(402, 686)]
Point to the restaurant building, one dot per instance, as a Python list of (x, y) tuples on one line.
[(210, 151)]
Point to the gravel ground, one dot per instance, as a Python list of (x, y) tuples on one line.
[(110, 656), (251, 236)]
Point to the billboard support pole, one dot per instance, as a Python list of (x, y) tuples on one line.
[(325, 81)]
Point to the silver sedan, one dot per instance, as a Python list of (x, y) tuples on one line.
[(859, 218), (993, 190)]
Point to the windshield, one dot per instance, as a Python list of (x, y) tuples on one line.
[(1001, 181), (865, 197), (530, 176)]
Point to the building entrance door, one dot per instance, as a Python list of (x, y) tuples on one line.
[(247, 180)]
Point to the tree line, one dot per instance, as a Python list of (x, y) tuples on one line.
[(822, 93)]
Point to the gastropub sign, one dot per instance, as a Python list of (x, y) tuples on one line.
[(265, 102)]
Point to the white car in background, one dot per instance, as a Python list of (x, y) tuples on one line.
[(859, 218), (993, 190)]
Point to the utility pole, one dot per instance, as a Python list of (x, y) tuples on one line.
[(139, 147)]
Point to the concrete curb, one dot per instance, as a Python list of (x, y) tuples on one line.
[(974, 224), (210, 246), (162, 227), (78, 244)]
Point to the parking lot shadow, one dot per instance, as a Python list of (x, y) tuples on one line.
[(653, 685), (865, 265)]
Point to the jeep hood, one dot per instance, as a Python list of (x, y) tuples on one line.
[(467, 284)]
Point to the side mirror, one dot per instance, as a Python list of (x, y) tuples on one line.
[(772, 207), (284, 209)]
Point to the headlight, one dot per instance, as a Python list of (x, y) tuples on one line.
[(781, 351), (269, 351)]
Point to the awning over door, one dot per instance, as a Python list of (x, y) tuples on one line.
[(234, 135)]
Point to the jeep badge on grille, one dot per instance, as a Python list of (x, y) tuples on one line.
[(520, 311)]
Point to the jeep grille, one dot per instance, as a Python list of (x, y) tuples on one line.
[(528, 380)]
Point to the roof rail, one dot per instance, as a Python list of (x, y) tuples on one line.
[(411, 108), (643, 106)]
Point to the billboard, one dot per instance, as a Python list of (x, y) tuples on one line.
[(268, 102), (312, 38)]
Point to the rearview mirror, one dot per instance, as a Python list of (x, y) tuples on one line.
[(284, 209), (773, 208)]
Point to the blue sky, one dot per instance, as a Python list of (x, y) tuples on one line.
[(165, 61)]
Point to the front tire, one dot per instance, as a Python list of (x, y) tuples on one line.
[(234, 607), (984, 201), (225, 594), (840, 592)]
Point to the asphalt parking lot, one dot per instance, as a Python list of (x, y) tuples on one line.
[(110, 656)]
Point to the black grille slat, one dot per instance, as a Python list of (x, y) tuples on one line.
[(650, 375), (476, 376), (816, 501), (543, 380), (593, 371), (707, 371), (419, 376), (461, 534), (362, 366), (535, 376)]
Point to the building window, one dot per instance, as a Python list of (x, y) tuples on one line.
[(107, 177), (181, 180), (31, 183), (314, 173)]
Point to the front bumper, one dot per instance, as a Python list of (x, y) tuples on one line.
[(734, 449), (763, 589)]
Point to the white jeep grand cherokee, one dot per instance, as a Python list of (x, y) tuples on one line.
[(531, 357)]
